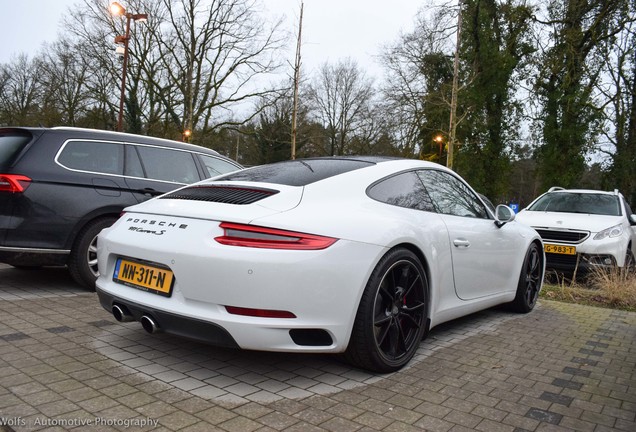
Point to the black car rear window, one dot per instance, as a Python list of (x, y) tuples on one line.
[(10, 145), (297, 172)]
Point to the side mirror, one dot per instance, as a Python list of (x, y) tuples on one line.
[(632, 219), (503, 215)]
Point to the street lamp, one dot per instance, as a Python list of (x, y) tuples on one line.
[(186, 135), (118, 10), (439, 140)]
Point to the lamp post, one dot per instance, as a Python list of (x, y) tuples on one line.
[(439, 140), (185, 137), (118, 10), (452, 128)]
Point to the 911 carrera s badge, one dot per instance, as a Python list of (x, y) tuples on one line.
[(153, 223), (146, 231)]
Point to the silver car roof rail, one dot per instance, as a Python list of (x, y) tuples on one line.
[(555, 188)]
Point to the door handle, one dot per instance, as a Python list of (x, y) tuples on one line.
[(461, 243)]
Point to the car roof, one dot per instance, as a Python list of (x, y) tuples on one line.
[(85, 133), (583, 191), (304, 171)]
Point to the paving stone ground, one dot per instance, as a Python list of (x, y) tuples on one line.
[(66, 364)]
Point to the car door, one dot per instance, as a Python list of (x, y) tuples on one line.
[(152, 171), (480, 250)]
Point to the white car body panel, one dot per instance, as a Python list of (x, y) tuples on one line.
[(590, 223), (321, 287), (210, 276), (490, 273), (586, 222)]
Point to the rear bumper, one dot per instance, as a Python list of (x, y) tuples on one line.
[(177, 325), (33, 256)]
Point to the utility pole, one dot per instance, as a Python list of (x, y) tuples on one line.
[(452, 128), (296, 80)]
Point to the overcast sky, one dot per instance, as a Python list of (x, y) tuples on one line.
[(332, 29)]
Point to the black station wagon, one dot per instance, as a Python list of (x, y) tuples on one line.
[(60, 187)]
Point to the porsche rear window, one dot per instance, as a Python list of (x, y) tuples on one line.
[(297, 172), (10, 145)]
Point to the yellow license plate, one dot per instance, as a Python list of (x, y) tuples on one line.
[(557, 249), (153, 278)]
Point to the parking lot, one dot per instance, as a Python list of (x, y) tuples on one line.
[(66, 364)]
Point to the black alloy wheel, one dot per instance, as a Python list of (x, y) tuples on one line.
[(393, 314), (529, 281)]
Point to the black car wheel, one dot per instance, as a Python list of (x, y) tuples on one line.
[(630, 261), (392, 315), (82, 262), (529, 281)]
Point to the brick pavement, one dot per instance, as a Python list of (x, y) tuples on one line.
[(65, 364)]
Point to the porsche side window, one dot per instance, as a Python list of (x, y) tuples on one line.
[(403, 190), (451, 196)]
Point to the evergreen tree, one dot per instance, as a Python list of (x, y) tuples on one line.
[(494, 49), (569, 72)]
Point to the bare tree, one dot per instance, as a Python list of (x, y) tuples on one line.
[(417, 89), (618, 89), (64, 82), (19, 92), (213, 52), (195, 64), (341, 97)]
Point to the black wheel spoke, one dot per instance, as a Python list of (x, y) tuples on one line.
[(414, 310), (395, 337), (384, 331), (381, 320), (404, 277), (412, 285), (411, 320)]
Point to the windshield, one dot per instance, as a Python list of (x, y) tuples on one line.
[(571, 202)]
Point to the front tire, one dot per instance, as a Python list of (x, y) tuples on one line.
[(529, 281), (392, 315), (630, 261), (82, 262)]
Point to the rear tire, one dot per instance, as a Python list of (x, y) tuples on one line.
[(82, 262), (529, 281), (392, 316)]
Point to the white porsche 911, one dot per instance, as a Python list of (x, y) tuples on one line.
[(359, 255)]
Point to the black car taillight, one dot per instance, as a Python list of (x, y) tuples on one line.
[(14, 183)]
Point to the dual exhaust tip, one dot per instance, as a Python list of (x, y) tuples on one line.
[(122, 314)]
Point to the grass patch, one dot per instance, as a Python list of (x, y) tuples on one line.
[(612, 288)]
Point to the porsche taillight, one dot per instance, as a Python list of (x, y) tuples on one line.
[(14, 183), (270, 238)]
